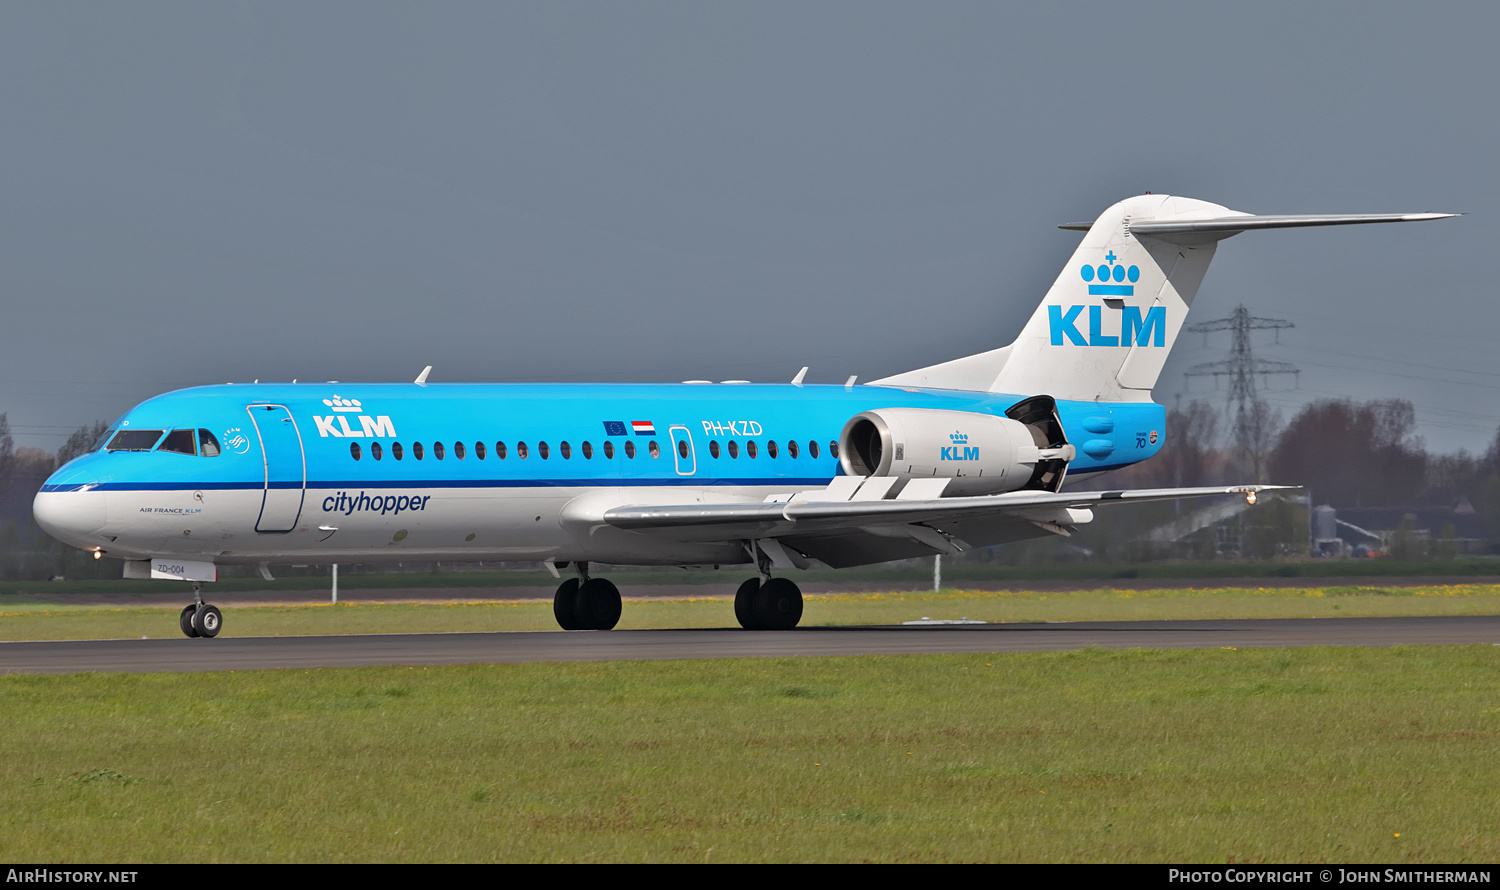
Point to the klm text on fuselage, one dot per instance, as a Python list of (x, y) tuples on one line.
[(1131, 330)]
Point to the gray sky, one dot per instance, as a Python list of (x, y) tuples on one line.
[(202, 192)]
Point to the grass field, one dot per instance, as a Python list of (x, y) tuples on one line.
[(917, 572), (23, 618), (1373, 755)]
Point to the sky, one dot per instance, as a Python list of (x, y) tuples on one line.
[(206, 192)]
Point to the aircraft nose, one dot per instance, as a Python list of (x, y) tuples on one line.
[(70, 516)]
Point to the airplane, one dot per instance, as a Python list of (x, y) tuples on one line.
[(967, 453)]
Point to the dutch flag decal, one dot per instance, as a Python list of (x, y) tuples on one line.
[(642, 428)]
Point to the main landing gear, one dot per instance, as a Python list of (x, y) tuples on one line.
[(585, 603), (772, 604), (200, 619)]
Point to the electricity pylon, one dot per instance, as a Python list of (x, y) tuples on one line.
[(1249, 423)]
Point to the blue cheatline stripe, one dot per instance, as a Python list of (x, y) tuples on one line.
[(1111, 290), (688, 481)]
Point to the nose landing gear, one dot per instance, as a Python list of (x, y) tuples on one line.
[(200, 619)]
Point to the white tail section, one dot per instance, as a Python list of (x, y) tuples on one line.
[(1105, 328)]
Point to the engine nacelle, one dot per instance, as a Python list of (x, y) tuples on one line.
[(980, 453)]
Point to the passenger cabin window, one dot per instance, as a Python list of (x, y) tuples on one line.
[(543, 450), (180, 442), (630, 450), (750, 448), (479, 450), (833, 450), (791, 448), (375, 451), (437, 450), (713, 448), (458, 450), (734, 448), (208, 444), (416, 450), (771, 448), (812, 449), (654, 448), (354, 450), (682, 449), (609, 450), (134, 440), (396, 450), (588, 451), (565, 449), (520, 450), (500, 449)]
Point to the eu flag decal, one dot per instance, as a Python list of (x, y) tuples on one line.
[(614, 428)]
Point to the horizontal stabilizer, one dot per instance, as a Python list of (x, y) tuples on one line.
[(1232, 225), (1225, 226)]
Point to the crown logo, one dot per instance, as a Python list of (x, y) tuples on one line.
[(344, 405), (959, 438), (1111, 272)]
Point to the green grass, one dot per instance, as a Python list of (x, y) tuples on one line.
[(244, 578), (22, 618), (1182, 756)]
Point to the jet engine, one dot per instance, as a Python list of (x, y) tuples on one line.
[(979, 453)]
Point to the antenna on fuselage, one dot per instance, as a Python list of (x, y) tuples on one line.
[(797, 381), (422, 377)]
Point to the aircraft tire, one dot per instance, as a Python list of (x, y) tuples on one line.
[(744, 604), (778, 605), (597, 606), (565, 605), (208, 621), (185, 621)]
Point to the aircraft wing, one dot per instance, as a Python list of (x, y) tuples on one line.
[(855, 532)]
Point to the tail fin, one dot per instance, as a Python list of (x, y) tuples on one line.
[(1105, 327)]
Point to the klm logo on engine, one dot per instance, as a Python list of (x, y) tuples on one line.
[(960, 449), (337, 424), (1131, 329)]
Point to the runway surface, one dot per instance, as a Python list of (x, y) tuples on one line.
[(260, 653)]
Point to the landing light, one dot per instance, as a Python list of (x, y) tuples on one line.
[(1250, 498), (98, 553)]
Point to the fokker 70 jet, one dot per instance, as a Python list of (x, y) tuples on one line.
[(968, 453)]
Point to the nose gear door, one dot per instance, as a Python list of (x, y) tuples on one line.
[(285, 464)]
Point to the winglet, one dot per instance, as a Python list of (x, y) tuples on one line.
[(422, 377), (801, 375)]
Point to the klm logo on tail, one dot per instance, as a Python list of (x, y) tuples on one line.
[(1131, 330)]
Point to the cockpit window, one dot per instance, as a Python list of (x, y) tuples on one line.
[(133, 440), (208, 444), (108, 434), (179, 442)]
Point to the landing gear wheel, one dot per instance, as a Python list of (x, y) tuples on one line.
[(565, 605), (744, 604), (185, 621), (778, 605), (597, 606), (207, 621)]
